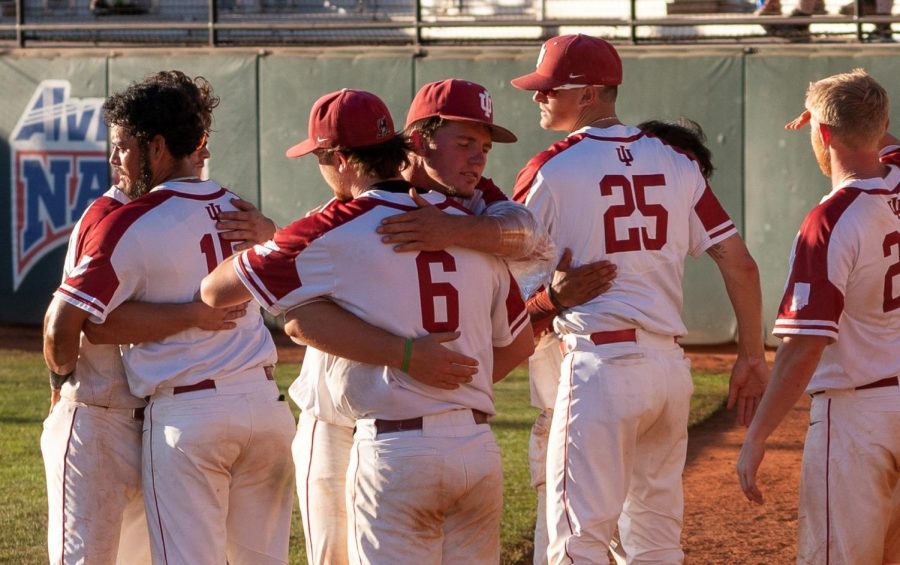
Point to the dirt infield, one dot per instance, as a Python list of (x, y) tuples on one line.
[(721, 526)]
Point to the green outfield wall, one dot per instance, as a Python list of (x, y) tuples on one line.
[(53, 143)]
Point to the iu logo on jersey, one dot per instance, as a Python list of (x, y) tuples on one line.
[(894, 203), (625, 155), (58, 168), (213, 210)]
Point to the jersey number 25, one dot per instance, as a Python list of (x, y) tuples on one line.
[(634, 198)]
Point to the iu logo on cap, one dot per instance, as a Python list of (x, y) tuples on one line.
[(487, 105), (625, 155), (383, 129)]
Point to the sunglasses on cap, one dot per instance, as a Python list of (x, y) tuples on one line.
[(554, 92)]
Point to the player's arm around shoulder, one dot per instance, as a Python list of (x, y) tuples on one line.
[(222, 287), (62, 334), (141, 322), (741, 276)]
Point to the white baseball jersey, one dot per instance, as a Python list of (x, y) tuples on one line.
[(141, 252), (844, 283), (99, 377), (337, 254), (623, 196)]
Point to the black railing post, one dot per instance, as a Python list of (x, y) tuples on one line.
[(213, 20), (633, 22), (418, 23), (859, 12), (20, 21)]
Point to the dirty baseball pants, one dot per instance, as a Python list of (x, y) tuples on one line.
[(321, 457), (92, 457), (849, 504), (218, 476), (617, 447), (425, 497)]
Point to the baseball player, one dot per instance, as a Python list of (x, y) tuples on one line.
[(840, 324), (216, 483), (618, 435), (544, 364), (99, 420), (424, 483), (450, 128)]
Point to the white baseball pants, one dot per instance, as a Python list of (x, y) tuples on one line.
[(426, 496), (92, 457), (616, 452), (321, 457), (218, 473), (849, 504)]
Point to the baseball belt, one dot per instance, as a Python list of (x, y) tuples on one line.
[(887, 381), (209, 383), (410, 424)]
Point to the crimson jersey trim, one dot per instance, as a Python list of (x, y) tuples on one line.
[(281, 276), (529, 172), (820, 315), (93, 294)]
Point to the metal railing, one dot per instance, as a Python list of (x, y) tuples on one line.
[(217, 23)]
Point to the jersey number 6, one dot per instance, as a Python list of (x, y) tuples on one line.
[(431, 293), (633, 196)]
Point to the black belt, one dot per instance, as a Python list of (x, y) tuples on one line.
[(209, 383), (410, 424), (887, 381)]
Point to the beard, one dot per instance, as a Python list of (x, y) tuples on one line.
[(143, 183)]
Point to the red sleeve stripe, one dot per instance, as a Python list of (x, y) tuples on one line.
[(710, 211), (245, 272), (793, 322), (516, 312), (81, 301), (526, 176), (728, 229)]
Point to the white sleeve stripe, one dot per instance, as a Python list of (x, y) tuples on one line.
[(245, 272), (804, 331), (517, 324), (81, 301), (723, 225), (805, 323)]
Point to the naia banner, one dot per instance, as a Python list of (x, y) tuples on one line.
[(58, 166)]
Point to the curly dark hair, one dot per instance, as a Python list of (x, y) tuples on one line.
[(168, 103), (382, 161), (686, 135)]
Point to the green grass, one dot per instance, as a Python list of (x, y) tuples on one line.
[(24, 401)]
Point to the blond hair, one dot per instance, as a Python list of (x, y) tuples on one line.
[(853, 104)]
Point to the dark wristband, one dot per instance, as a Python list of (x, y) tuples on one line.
[(553, 299), (57, 380)]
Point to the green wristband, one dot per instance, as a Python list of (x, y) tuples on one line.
[(407, 355)]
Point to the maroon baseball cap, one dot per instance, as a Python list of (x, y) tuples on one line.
[(573, 60), (455, 99), (347, 119)]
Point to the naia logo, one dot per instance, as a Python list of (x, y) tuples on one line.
[(58, 167)]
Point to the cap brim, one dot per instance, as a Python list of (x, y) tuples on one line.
[(305, 147), (498, 133), (535, 81)]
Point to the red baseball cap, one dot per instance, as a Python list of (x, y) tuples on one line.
[(573, 60), (455, 99), (348, 119)]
